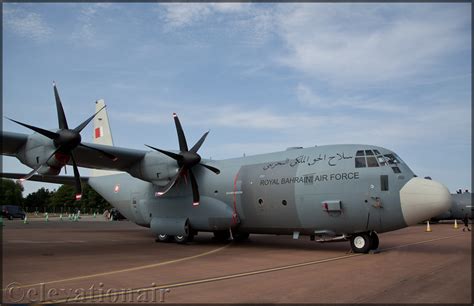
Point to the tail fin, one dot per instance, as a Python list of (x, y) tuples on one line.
[(102, 134)]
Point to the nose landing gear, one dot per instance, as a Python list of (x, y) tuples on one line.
[(364, 242)]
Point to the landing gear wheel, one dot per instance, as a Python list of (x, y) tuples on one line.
[(221, 235), (183, 238), (361, 243), (374, 241), (163, 238), (188, 235), (10, 217)]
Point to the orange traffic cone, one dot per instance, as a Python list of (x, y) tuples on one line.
[(428, 228), (456, 224)]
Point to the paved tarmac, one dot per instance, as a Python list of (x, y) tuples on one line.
[(66, 261)]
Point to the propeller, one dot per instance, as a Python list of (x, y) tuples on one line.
[(186, 160), (65, 141)]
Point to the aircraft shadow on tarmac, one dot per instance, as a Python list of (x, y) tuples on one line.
[(270, 242)]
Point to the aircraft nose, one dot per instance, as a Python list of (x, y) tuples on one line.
[(422, 199)]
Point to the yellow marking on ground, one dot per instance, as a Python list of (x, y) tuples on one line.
[(126, 270), (230, 276), (200, 281)]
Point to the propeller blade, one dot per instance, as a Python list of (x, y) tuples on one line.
[(171, 183), (108, 155), (61, 116), (77, 178), (194, 187), (170, 154), (183, 146), (29, 175), (215, 170), (81, 126), (46, 133), (199, 143)]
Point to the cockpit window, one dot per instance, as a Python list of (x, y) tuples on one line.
[(360, 162), (366, 158), (381, 160), (372, 162), (391, 159), (396, 170), (373, 158)]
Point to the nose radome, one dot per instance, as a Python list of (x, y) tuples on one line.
[(422, 199)]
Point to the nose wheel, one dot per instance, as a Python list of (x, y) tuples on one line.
[(364, 242)]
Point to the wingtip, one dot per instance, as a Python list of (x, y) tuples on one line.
[(174, 115), (195, 203)]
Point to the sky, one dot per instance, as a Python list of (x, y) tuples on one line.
[(261, 77)]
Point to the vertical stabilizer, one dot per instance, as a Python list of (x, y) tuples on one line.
[(101, 133)]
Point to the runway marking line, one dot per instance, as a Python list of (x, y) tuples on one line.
[(128, 269), (200, 281), (231, 276)]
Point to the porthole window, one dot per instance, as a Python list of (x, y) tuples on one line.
[(284, 202)]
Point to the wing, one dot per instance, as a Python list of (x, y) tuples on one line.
[(12, 142), (55, 179), (90, 158)]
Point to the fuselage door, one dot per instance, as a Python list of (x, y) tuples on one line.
[(375, 203), (135, 200)]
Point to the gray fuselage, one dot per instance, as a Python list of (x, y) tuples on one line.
[(312, 190)]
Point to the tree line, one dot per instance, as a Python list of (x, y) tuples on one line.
[(61, 200)]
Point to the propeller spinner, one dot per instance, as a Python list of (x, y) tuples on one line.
[(186, 160), (65, 141)]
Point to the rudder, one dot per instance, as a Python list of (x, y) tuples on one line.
[(102, 134)]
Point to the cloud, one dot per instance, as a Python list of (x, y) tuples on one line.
[(308, 98), (359, 43), (179, 15), (88, 17), (27, 24)]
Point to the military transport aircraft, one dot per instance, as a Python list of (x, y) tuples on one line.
[(334, 192), (461, 204)]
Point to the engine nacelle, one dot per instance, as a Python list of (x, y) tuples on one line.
[(36, 151), (155, 168)]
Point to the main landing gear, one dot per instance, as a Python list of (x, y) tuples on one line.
[(182, 239), (364, 242)]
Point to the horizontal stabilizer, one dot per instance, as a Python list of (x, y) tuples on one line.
[(55, 179)]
